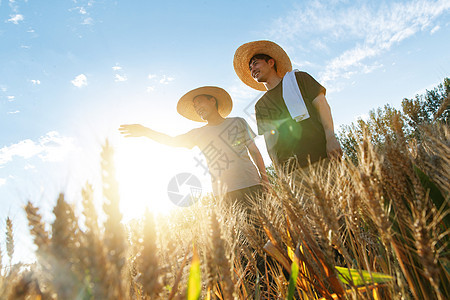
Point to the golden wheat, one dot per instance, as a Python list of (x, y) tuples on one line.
[(388, 214)]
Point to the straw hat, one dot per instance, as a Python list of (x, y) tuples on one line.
[(185, 106), (245, 52)]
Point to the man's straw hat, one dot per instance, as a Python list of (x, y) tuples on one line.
[(185, 106), (245, 52)]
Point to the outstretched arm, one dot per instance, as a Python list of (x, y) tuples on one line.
[(257, 158), (333, 147), (137, 130)]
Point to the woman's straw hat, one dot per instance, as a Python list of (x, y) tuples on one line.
[(245, 52), (185, 106)]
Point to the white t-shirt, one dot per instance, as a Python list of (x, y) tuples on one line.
[(224, 149)]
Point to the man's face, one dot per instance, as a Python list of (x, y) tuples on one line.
[(204, 106), (261, 69)]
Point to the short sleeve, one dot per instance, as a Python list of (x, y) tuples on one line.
[(248, 135), (309, 87)]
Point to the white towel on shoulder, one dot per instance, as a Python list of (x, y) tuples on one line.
[(293, 97)]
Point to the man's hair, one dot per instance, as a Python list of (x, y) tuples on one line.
[(209, 97), (265, 57)]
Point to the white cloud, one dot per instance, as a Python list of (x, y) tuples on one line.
[(303, 64), (435, 28), (370, 30), (166, 80), (369, 69), (83, 11), (11, 98), (26, 149), (150, 89), (51, 147), (119, 78), (80, 81), (151, 76), (88, 21), (29, 167), (15, 18), (13, 112), (35, 81), (55, 146), (2, 181)]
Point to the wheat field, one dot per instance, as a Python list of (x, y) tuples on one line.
[(371, 226)]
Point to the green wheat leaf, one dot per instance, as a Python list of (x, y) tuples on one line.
[(194, 282), (351, 275), (292, 280)]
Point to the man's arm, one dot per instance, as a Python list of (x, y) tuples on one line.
[(321, 105), (137, 130), (257, 158)]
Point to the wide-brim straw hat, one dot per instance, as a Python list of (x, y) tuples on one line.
[(245, 52), (185, 106)]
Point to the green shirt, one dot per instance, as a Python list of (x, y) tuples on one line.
[(284, 137)]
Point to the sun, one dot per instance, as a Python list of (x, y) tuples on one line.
[(145, 171)]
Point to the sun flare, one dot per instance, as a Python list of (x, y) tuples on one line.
[(144, 171)]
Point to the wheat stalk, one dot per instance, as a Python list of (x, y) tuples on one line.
[(9, 239), (148, 260), (219, 257)]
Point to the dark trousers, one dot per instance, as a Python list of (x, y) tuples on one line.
[(241, 197)]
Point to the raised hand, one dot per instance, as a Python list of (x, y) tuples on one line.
[(134, 130)]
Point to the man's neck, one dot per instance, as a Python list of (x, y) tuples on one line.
[(272, 81), (215, 119)]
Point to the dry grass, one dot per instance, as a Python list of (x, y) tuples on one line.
[(387, 214)]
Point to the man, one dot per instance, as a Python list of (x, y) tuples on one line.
[(225, 142), (293, 114)]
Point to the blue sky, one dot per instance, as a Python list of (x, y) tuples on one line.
[(73, 71)]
